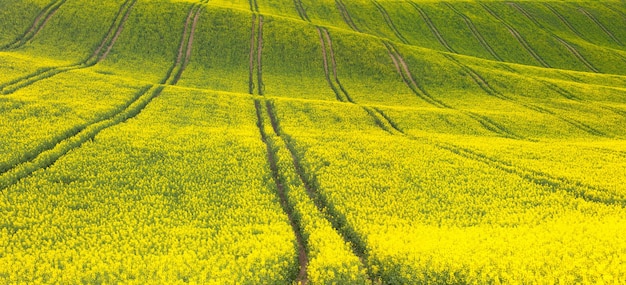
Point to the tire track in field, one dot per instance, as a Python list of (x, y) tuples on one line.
[(303, 259), (599, 24), (332, 215), (563, 42), (418, 90), (97, 56), (39, 23), (517, 36), (484, 85), (256, 55), (60, 146), (184, 47), (564, 20), (389, 22), (254, 6), (578, 189), (301, 10), (432, 27), (475, 32), (346, 16)]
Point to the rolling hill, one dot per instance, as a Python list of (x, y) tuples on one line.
[(312, 141)]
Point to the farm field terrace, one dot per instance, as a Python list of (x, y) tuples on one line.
[(312, 142)]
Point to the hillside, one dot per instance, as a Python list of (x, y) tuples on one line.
[(312, 141)]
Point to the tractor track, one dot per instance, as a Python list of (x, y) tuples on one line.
[(484, 85), (346, 16), (575, 188), (255, 56), (38, 24), (254, 6), (259, 57), (288, 209), (331, 53), (321, 202), (418, 90), (74, 139), (432, 27), (599, 24), (97, 56), (389, 22), (301, 10), (563, 42), (475, 32), (184, 47), (564, 20), (517, 36)]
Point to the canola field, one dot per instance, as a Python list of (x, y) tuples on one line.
[(312, 142)]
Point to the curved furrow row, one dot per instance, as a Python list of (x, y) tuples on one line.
[(475, 32), (259, 57), (301, 10), (184, 47), (346, 16), (255, 56), (40, 21), (325, 64), (335, 217), (567, 45), (432, 27), (331, 53), (62, 145), (254, 6), (97, 56), (288, 208), (389, 22), (564, 20), (251, 56), (418, 90), (517, 36), (599, 24), (484, 85), (408, 79), (578, 189)]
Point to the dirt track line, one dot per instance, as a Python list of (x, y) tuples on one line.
[(408, 79), (181, 47), (39, 23), (346, 16), (517, 36), (254, 6), (533, 176), (326, 69), (50, 154), (475, 32), (108, 39), (259, 57), (321, 202), (331, 52), (251, 57), (484, 85), (288, 209), (577, 54), (183, 58), (389, 22), (564, 20), (432, 27), (48, 72), (600, 25), (563, 42), (301, 10)]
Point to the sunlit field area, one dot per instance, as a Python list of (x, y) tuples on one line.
[(312, 142)]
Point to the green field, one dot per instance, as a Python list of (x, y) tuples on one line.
[(312, 142)]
